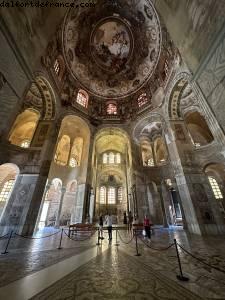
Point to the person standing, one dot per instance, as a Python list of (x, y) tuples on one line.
[(130, 220), (134, 225), (124, 218), (147, 227), (109, 225), (101, 227)]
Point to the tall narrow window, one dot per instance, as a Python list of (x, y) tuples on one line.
[(111, 195), (120, 194), (77, 150), (142, 99), (102, 195), (56, 67), (82, 98), (73, 162), (105, 158), (111, 158), (150, 162), (118, 158), (62, 151), (215, 187), (6, 190), (25, 144), (111, 109)]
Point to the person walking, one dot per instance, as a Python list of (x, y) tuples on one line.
[(147, 227), (101, 227), (109, 226)]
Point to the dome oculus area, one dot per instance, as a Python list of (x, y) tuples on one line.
[(112, 51)]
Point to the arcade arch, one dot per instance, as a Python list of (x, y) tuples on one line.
[(111, 172), (8, 174)]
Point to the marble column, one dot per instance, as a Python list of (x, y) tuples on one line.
[(57, 222), (47, 187), (165, 221)]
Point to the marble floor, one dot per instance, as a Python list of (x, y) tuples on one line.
[(82, 270)]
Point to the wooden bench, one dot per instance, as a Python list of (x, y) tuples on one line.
[(80, 227), (140, 227)]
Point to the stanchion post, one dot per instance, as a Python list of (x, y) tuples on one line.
[(181, 276), (137, 253), (7, 245), (60, 242), (98, 243), (116, 244)]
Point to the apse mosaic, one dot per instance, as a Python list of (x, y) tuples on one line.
[(112, 52)]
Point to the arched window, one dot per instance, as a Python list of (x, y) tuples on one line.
[(25, 144), (147, 154), (111, 195), (73, 162), (102, 197), (111, 109), (111, 158), (77, 150), (215, 188), (161, 154), (198, 129), (120, 194), (142, 99), (24, 127), (6, 190), (82, 98), (105, 158), (118, 158), (62, 151), (57, 67), (150, 162)]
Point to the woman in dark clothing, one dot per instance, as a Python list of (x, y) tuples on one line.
[(124, 218), (101, 227), (147, 227)]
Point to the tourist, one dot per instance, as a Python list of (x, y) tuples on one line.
[(101, 227), (124, 218), (109, 225), (130, 220), (147, 227)]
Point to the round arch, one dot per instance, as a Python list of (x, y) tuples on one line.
[(40, 96)]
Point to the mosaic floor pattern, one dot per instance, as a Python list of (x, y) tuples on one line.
[(115, 275)]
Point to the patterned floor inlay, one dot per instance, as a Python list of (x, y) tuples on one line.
[(17, 265), (115, 275)]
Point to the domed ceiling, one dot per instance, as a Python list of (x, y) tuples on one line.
[(113, 49)]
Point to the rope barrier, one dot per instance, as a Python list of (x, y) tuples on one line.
[(36, 238), (2, 237), (80, 240), (123, 240), (157, 249), (200, 260)]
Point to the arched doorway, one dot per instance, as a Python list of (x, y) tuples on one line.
[(111, 175), (69, 164)]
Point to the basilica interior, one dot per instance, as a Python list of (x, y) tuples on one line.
[(109, 107)]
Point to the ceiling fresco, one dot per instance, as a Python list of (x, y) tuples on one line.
[(112, 50), (111, 45)]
